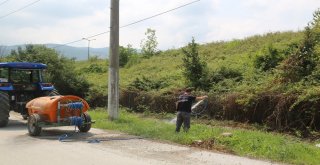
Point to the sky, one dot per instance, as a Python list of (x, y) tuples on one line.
[(61, 22)]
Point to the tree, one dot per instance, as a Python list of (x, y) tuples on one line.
[(125, 54), (60, 69), (303, 62), (195, 70), (149, 46)]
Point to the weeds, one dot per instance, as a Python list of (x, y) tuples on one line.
[(249, 143)]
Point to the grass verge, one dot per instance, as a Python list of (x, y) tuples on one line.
[(249, 143)]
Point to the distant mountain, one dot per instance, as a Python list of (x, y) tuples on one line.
[(5, 50), (79, 53)]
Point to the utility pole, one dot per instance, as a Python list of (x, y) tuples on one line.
[(88, 46), (113, 85)]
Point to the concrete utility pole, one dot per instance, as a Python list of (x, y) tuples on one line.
[(88, 45), (113, 85)]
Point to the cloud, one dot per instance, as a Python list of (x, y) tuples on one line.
[(250, 17), (169, 27), (53, 21)]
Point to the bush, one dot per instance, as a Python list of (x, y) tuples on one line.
[(147, 84), (97, 98), (225, 73), (125, 54), (268, 59), (95, 68), (141, 101)]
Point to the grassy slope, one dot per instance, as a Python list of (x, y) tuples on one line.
[(99, 80), (236, 54)]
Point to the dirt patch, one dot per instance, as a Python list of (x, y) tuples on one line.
[(211, 144)]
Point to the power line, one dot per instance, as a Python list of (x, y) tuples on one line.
[(4, 2), (19, 9), (144, 19), (80, 39), (141, 20)]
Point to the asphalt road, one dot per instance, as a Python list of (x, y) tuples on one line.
[(99, 147)]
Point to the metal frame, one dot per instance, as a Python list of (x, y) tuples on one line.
[(59, 122)]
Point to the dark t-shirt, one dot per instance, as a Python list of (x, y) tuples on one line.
[(185, 103)]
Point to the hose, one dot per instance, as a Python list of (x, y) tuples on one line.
[(75, 105), (195, 111), (76, 120)]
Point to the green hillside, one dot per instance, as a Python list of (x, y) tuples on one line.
[(237, 55), (250, 80)]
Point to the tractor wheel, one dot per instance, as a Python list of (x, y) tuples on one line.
[(33, 128), (52, 93), (87, 120), (4, 109)]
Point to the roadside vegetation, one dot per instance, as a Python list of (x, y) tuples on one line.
[(252, 143), (270, 79)]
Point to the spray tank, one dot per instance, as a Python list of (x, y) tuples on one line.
[(60, 110)]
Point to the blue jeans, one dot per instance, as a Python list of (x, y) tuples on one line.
[(183, 117)]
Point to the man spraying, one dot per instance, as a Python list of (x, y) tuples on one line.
[(184, 104)]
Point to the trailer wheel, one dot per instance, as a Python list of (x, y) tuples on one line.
[(33, 128), (4, 109), (25, 117), (87, 123)]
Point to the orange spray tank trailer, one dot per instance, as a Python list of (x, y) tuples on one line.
[(51, 111)]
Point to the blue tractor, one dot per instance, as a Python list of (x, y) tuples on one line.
[(21, 82)]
